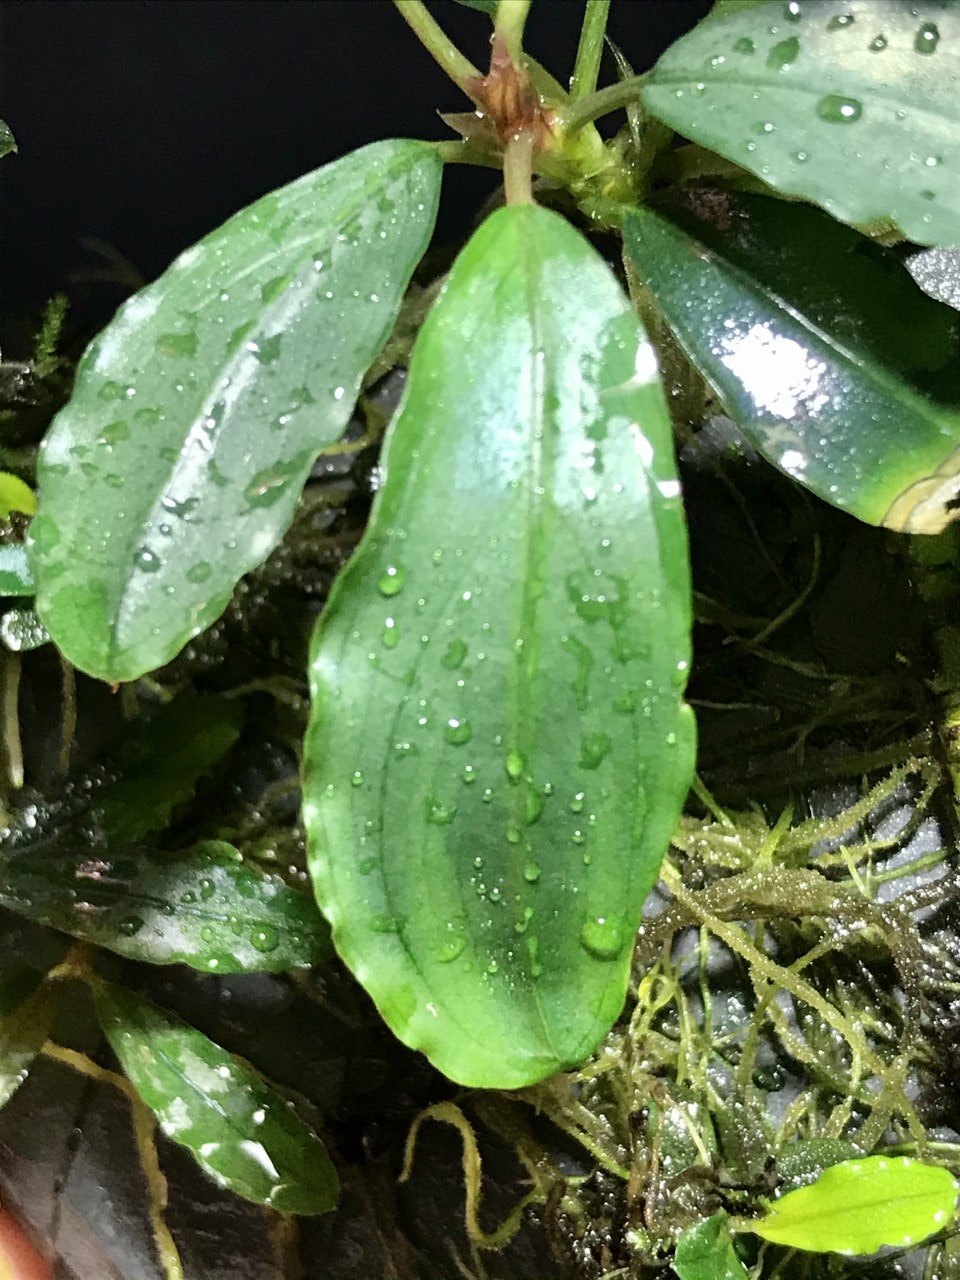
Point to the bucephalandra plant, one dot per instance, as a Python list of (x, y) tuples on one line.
[(499, 749)]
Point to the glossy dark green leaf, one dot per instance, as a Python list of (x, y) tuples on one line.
[(849, 103), (861, 1205), (7, 143), (27, 1010), (162, 761), (834, 363), (238, 1129), (706, 1252), (198, 412), (499, 747), (16, 578), (203, 908)]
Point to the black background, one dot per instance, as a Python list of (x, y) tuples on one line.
[(145, 123)]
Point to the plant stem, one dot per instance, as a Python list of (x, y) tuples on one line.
[(518, 168), (590, 50), (509, 23), (601, 103), (438, 44)]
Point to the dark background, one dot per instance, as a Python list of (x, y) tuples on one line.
[(146, 123)]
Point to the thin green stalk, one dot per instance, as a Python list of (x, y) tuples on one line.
[(590, 50), (601, 103), (509, 23), (438, 44)]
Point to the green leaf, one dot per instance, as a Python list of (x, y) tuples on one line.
[(162, 762), (197, 414), (7, 143), (836, 366), (237, 1128), (15, 495), (485, 6), (27, 1010), (705, 1252), (499, 748), (202, 908), (76, 866), (15, 576), (861, 1205), (849, 103)]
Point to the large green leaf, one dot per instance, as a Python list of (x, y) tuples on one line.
[(27, 1010), (203, 908), (198, 412), (861, 1205), (237, 1128), (838, 368), (499, 748), (850, 103), (705, 1252)]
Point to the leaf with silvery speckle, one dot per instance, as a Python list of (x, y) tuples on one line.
[(849, 103), (238, 1129), (197, 414), (203, 908)]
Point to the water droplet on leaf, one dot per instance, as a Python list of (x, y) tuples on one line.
[(391, 580), (836, 109), (457, 732), (927, 38), (603, 937)]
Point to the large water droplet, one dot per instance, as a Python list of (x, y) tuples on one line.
[(603, 937), (177, 344), (439, 814), (927, 38), (836, 109), (130, 926), (783, 54), (840, 21), (878, 44), (147, 561), (450, 949), (265, 938), (457, 732), (199, 572), (391, 580), (114, 433), (454, 655), (594, 749), (531, 872), (270, 484), (744, 45), (515, 765)]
